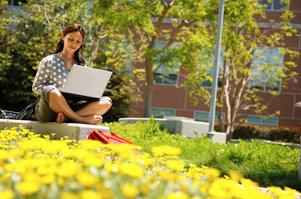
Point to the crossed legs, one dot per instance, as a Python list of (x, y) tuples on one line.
[(90, 114)]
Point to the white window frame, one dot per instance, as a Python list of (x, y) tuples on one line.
[(162, 70), (262, 118)]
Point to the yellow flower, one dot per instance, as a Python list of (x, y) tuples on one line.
[(68, 169), (144, 188), (27, 188), (248, 183), (47, 169), (88, 194), (90, 145), (70, 195), (47, 179), (165, 150), (235, 176), (92, 160), (132, 170), (292, 191), (4, 155), (6, 194), (222, 188), (86, 179), (110, 167), (194, 172), (33, 144), (177, 195), (211, 173), (146, 160), (54, 146), (168, 176), (175, 165), (129, 190)]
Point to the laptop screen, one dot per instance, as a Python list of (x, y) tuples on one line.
[(86, 81)]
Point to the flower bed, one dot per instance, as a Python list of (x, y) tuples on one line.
[(38, 167)]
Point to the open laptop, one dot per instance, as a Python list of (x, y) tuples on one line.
[(85, 83)]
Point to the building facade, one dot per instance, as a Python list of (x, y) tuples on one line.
[(170, 100)]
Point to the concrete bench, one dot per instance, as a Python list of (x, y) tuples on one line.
[(74, 131), (187, 127)]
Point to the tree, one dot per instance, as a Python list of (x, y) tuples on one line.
[(34, 33), (245, 68), (145, 24)]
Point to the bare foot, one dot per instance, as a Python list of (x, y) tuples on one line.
[(93, 119), (60, 118), (98, 119)]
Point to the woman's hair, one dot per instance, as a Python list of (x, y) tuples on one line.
[(73, 27)]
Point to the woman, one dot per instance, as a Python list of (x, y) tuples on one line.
[(51, 77)]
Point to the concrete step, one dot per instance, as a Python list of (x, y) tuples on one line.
[(74, 131), (187, 127)]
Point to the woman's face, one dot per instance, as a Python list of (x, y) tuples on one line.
[(72, 42)]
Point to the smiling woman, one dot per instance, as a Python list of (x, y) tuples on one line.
[(52, 76)]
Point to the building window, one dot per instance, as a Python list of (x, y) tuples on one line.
[(128, 58), (274, 5), (266, 69), (204, 116), (208, 62), (16, 2), (262, 120), (160, 112), (165, 74)]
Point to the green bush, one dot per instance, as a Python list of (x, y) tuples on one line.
[(281, 134)]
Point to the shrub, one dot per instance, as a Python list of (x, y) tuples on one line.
[(283, 134)]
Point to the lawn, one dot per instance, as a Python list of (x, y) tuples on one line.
[(264, 163)]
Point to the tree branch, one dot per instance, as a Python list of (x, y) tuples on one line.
[(174, 33)]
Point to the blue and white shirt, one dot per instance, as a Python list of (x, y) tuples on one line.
[(52, 70)]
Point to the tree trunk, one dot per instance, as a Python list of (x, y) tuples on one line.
[(149, 86)]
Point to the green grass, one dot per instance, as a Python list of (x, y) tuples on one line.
[(264, 163)]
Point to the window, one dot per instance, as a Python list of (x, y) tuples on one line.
[(16, 2), (266, 69), (165, 74), (204, 116), (209, 63), (128, 58), (262, 120), (274, 5), (160, 112)]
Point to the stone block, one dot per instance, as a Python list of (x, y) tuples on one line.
[(218, 137), (74, 131), (186, 127)]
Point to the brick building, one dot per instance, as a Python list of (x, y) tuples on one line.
[(168, 99)]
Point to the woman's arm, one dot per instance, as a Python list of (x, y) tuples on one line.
[(42, 77)]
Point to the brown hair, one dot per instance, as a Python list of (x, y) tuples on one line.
[(73, 27)]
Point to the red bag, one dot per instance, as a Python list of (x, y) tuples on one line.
[(107, 137)]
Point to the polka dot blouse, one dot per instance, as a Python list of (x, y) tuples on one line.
[(52, 71)]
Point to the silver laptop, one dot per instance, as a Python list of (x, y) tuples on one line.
[(85, 83)]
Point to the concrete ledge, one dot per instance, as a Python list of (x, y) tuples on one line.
[(218, 137), (74, 131), (186, 127)]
